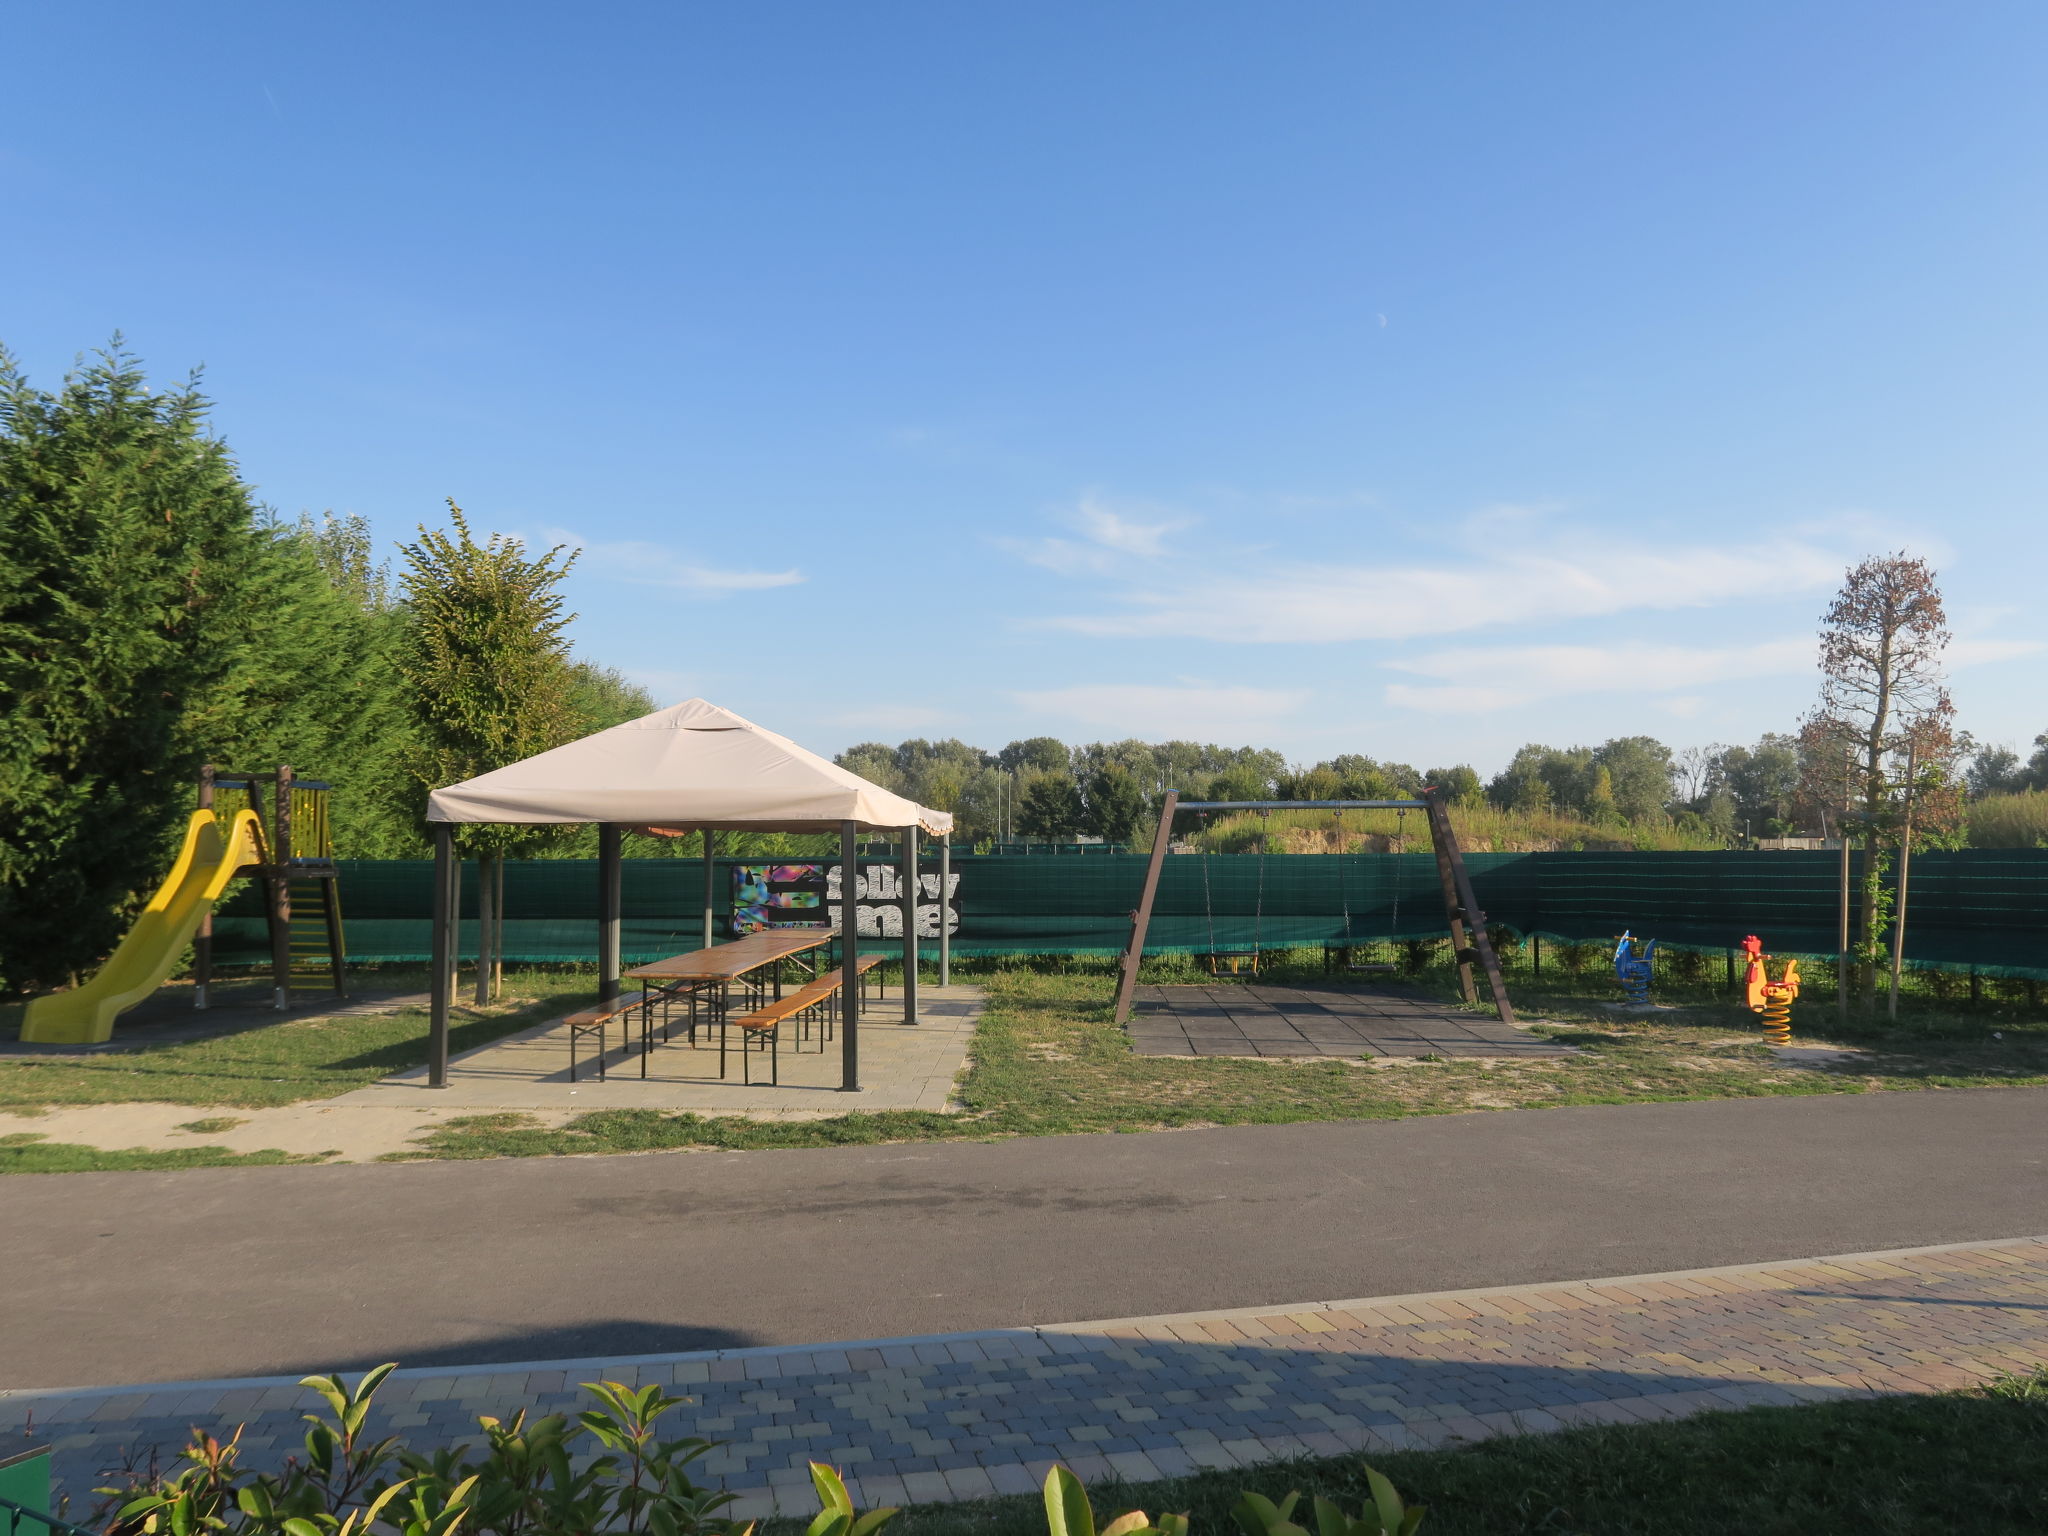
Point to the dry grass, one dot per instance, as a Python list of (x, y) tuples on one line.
[(1480, 829)]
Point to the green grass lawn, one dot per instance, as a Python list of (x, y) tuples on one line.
[(1971, 1463), (1048, 1062), (283, 1063), (26, 1152)]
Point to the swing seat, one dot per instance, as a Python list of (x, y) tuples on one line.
[(1331, 950), (1238, 961)]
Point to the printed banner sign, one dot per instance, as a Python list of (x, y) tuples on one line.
[(807, 896)]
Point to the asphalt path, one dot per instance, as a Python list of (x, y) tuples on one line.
[(134, 1277)]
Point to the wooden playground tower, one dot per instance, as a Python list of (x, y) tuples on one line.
[(1462, 917), (301, 885)]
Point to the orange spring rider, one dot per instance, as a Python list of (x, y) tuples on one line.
[(1772, 999)]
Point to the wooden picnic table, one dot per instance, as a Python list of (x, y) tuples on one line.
[(704, 975), (737, 957)]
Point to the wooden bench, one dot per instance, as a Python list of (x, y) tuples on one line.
[(595, 1021), (762, 1027)]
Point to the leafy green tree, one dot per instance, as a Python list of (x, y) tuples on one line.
[(1242, 781), (979, 809), (1134, 757), (1521, 785), (130, 557), (1884, 710), (1639, 772), (1460, 785), (1050, 807), (874, 762), (319, 689), (481, 651), (1601, 806), (2000, 771), (1115, 804), (602, 697), (487, 673), (1035, 754), (1762, 782)]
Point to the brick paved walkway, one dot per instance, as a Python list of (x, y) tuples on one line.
[(965, 1415)]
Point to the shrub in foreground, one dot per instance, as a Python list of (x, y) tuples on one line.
[(526, 1481)]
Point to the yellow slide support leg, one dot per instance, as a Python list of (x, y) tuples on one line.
[(210, 858)]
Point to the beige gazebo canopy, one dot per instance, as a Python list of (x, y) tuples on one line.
[(683, 769), (690, 768)]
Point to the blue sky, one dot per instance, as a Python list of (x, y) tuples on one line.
[(1414, 380)]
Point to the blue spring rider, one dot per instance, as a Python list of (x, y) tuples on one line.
[(1633, 970)]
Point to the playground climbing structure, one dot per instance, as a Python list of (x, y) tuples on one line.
[(291, 854)]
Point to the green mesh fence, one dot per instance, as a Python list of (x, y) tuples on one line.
[(1981, 908)]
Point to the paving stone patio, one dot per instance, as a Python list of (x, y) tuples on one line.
[(1252, 1019), (967, 1415), (902, 1067)]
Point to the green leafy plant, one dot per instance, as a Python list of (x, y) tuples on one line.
[(1385, 1516), (526, 1483), (657, 1494), (1068, 1513), (836, 1514)]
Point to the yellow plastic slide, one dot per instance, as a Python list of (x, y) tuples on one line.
[(209, 860)]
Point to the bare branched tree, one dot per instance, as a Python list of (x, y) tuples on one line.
[(1882, 737)]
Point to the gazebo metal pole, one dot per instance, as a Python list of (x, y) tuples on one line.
[(946, 910), (907, 898), (440, 983), (608, 909), (849, 958), (710, 883)]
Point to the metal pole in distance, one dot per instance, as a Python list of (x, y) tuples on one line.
[(1141, 919), (946, 910), (608, 912), (907, 899), (710, 885), (849, 960), (442, 981)]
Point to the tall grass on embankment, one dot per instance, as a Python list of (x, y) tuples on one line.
[(2010, 821), (1480, 829)]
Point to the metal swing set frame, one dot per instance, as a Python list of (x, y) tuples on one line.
[(1463, 919)]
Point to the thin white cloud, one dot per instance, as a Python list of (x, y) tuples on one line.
[(1113, 530), (1184, 710), (1971, 652), (1299, 603), (655, 565), (1523, 675), (1110, 538)]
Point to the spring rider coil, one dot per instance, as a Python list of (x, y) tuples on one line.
[(1634, 970), (1772, 999)]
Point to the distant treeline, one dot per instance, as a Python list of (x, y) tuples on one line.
[(1632, 789)]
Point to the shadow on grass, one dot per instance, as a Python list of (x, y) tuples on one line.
[(463, 1035)]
